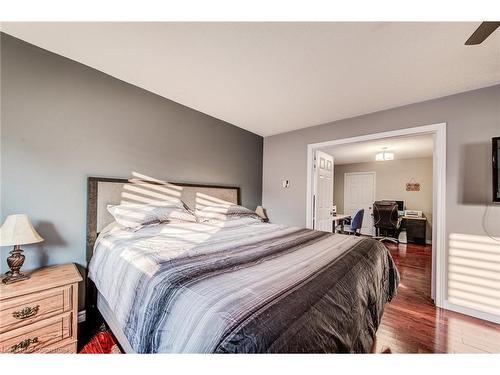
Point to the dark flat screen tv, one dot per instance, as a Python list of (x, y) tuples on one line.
[(496, 169)]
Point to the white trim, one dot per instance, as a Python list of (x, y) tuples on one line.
[(439, 270), (374, 186), (359, 172), (472, 312)]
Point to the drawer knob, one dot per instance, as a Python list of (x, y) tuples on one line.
[(25, 344), (27, 312)]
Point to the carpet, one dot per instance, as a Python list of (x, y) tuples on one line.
[(103, 342)]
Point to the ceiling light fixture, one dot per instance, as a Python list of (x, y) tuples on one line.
[(384, 155)]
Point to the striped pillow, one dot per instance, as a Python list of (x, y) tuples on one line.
[(223, 212), (134, 215)]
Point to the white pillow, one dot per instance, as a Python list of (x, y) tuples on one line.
[(224, 212), (133, 215)]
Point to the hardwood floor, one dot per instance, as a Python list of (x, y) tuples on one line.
[(412, 324)]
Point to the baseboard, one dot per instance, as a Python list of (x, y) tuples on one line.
[(82, 316), (471, 312), (428, 242)]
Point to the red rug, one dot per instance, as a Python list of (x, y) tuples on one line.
[(103, 342)]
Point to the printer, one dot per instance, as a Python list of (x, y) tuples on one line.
[(413, 213)]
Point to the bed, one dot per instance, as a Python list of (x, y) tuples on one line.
[(239, 286)]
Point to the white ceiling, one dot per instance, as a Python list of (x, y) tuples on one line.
[(276, 77), (403, 147)]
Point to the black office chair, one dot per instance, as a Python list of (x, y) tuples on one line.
[(386, 221)]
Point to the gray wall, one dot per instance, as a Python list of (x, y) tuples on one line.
[(390, 183), (63, 121), (473, 118)]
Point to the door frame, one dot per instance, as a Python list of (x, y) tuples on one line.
[(357, 173), (439, 271)]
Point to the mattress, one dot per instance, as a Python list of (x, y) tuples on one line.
[(241, 286), (112, 322)]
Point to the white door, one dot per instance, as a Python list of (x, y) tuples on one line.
[(323, 192), (359, 192)]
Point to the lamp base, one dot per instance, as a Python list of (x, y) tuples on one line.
[(15, 262), (8, 279)]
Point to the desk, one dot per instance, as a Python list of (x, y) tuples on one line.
[(339, 219), (415, 228)]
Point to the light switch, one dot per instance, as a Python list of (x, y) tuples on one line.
[(285, 183)]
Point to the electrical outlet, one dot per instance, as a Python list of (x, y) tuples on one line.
[(81, 316), (285, 183)]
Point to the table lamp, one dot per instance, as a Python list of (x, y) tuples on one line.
[(15, 231)]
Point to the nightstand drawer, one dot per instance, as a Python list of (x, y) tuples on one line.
[(31, 308), (37, 336)]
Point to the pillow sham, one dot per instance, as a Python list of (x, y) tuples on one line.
[(133, 215), (224, 212)]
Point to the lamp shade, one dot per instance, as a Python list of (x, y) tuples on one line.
[(18, 230)]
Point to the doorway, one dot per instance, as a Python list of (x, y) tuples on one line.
[(438, 132)]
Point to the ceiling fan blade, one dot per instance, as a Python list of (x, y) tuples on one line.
[(482, 32)]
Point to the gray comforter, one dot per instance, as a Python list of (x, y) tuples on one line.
[(243, 286)]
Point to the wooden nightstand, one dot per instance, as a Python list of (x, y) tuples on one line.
[(39, 315)]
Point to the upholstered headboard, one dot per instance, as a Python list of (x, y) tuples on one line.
[(102, 191)]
